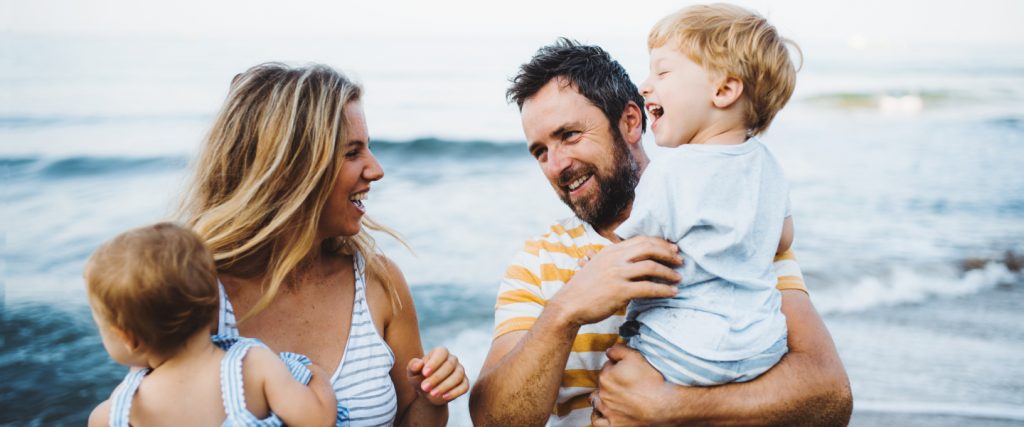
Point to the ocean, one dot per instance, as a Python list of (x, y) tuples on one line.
[(905, 165)]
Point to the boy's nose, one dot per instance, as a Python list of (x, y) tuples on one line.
[(645, 88)]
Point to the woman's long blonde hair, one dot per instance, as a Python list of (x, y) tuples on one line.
[(265, 172)]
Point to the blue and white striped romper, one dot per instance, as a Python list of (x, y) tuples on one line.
[(362, 382), (232, 388)]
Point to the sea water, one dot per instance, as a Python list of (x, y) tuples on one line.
[(906, 169)]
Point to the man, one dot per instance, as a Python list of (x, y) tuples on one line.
[(564, 296)]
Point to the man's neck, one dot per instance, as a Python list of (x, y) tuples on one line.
[(608, 231)]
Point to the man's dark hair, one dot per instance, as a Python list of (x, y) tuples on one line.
[(589, 69)]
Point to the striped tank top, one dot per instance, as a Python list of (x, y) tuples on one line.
[(232, 388), (362, 382)]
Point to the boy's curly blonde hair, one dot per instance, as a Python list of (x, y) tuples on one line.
[(732, 41)]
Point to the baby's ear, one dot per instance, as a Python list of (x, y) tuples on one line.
[(727, 92), (130, 342)]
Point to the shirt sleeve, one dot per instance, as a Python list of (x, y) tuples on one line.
[(520, 300), (788, 272)]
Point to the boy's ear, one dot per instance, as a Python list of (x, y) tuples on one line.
[(727, 92)]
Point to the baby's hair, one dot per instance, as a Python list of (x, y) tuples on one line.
[(157, 284), (731, 41)]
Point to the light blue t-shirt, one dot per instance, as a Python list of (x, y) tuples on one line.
[(724, 205)]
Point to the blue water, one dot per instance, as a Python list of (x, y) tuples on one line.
[(904, 166)]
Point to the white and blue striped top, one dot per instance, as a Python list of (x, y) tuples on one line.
[(362, 382), (232, 388)]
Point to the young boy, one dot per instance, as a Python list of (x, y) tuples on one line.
[(719, 73), (154, 296)]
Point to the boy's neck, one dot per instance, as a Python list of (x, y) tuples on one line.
[(197, 350), (726, 135)]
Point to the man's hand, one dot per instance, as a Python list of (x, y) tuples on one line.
[(619, 273), (631, 393), (808, 387)]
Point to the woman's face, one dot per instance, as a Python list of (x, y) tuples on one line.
[(344, 208)]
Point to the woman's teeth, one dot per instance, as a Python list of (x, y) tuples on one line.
[(357, 199)]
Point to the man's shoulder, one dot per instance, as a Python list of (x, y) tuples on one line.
[(564, 233)]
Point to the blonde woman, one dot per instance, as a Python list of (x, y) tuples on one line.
[(278, 197)]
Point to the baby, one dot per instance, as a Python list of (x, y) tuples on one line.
[(719, 74), (154, 297)]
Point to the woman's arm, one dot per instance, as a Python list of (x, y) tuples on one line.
[(414, 376)]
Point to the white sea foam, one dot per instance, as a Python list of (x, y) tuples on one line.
[(995, 411), (906, 285)]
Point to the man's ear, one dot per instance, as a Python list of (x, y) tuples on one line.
[(631, 124), (727, 92)]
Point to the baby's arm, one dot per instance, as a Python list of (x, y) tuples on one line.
[(100, 417), (295, 403), (787, 235)]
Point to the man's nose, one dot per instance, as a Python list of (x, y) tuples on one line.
[(557, 161)]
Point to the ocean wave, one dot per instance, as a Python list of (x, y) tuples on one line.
[(75, 166), (30, 121), (891, 101), (907, 285), (435, 147), (79, 166), (979, 410)]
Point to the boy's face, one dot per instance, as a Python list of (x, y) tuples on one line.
[(678, 96), (116, 343)]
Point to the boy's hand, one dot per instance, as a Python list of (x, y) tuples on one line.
[(438, 376)]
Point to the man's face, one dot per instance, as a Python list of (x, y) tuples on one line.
[(586, 160)]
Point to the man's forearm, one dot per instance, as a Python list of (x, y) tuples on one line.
[(521, 388), (808, 387)]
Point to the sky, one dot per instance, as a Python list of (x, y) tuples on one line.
[(862, 23)]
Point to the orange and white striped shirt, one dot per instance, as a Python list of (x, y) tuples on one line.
[(539, 270)]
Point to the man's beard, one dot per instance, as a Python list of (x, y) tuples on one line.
[(616, 188)]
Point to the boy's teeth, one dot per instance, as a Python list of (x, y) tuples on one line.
[(655, 110)]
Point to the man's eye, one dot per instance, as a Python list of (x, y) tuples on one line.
[(570, 135), (538, 153)]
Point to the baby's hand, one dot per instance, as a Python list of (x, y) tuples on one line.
[(438, 376)]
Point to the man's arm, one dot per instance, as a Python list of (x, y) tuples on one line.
[(808, 387), (519, 382)]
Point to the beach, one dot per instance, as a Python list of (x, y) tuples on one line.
[(904, 168)]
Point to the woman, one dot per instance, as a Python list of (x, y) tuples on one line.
[(278, 197)]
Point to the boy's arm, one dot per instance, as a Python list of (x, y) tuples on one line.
[(296, 404), (100, 417), (786, 240)]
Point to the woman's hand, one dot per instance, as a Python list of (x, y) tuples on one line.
[(438, 376)]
